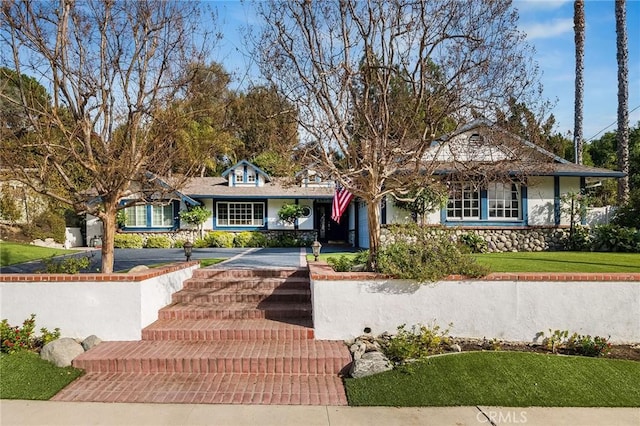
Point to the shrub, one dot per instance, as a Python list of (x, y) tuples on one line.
[(288, 240), (474, 242), (428, 258), (416, 343), (346, 263), (68, 265), (579, 239), (9, 208), (219, 239), (47, 224), (616, 238), (158, 242), (250, 239), (15, 338), (127, 241), (576, 344), (179, 243), (200, 243), (628, 214), (289, 213)]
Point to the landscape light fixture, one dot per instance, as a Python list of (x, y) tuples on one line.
[(188, 249), (316, 246)]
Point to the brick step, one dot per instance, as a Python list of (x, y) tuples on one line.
[(236, 310), (215, 296), (220, 329), (197, 388), (247, 283), (230, 356), (208, 273)]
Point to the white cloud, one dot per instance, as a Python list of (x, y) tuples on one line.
[(551, 29)]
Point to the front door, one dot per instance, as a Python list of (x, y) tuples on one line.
[(328, 229)]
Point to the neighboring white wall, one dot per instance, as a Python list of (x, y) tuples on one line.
[(94, 228), (208, 204), (116, 310), (274, 205), (72, 237), (508, 310), (567, 185), (600, 215), (541, 200), (396, 214)]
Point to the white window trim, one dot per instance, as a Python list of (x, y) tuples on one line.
[(253, 223), (465, 188), (508, 191)]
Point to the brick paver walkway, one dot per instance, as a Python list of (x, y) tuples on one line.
[(229, 337)]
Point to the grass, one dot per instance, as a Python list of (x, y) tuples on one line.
[(561, 261), (12, 253), (208, 262), (26, 376), (547, 261), (507, 379)]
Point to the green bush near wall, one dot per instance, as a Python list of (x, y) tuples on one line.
[(158, 242), (250, 239), (127, 241)]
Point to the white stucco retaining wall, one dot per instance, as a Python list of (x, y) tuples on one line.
[(112, 310), (507, 310)]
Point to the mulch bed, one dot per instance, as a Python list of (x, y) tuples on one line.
[(629, 352)]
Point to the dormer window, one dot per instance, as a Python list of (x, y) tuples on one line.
[(475, 138), (251, 178), (239, 176)]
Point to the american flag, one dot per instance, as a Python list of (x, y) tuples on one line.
[(341, 201)]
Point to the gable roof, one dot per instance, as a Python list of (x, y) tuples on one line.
[(554, 165), (208, 187), (243, 163)]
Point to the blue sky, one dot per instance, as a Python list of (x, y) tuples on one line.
[(549, 28)]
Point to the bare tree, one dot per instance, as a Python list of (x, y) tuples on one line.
[(623, 100), (111, 68), (578, 28), (376, 81)]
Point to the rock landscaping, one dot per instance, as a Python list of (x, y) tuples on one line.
[(62, 351)]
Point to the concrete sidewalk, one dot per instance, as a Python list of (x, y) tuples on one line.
[(13, 412)]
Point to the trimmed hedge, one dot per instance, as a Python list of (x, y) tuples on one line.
[(127, 241)]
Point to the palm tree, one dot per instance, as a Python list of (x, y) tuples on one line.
[(623, 100), (578, 28)]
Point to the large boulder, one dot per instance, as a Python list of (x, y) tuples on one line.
[(61, 351), (90, 342), (370, 363)]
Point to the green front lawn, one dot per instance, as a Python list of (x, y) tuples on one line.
[(12, 253), (507, 379), (547, 261), (560, 261), (24, 375)]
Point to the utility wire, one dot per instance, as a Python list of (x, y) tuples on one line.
[(592, 137)]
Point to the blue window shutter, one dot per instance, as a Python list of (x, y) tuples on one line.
[(484, 205), (524, 194), (556, 200)]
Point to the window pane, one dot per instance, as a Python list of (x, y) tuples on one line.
[(162, 215), (504, 200), (464, 201), (136, 216)]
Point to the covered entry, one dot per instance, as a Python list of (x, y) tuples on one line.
[(330, 231)]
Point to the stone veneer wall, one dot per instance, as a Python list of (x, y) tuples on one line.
[(503, 239), (192, 234)]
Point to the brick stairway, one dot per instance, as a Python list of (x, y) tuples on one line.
[(231, 337)]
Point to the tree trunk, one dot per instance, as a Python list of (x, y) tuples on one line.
[(623, 100), (373, 217), (578, 27), (108, 218)]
